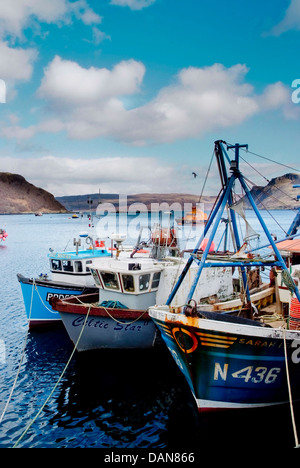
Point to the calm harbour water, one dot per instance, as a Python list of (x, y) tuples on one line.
[(106, 399)]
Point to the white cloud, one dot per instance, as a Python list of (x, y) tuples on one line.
[(133, 4), (69, 176), (16, 64), (290, 21), (66, 83), (278, 96), (17, 15), (89, 102), (203, 99), (99, 36), (124, 174)]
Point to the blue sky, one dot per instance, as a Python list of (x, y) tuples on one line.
[(129, 96)]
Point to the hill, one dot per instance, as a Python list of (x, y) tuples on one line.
[(151, 201), (278, 194), (19, 196)]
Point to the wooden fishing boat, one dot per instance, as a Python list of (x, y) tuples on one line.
[(233, 359), (231, 362)]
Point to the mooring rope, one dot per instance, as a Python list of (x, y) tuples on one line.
[(21, 360), (55, 386), (41, 299), (290, 391), (106, 310)]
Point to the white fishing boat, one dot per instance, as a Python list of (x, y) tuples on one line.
[(129, 283)]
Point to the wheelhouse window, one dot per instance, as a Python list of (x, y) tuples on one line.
[(78, 266), (155, 280), (110, 280), (128, 283), (87, 263), (95, 276), (67, 265), (144, 281), (55, 265)]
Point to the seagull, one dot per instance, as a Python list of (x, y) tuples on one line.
[(194, 174)]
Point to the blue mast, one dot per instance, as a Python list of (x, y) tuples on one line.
[(226, 198)]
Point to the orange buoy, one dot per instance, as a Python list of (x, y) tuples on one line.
[(204, 244), (294, 316)]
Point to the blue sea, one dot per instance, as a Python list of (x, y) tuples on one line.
[(105, 399)]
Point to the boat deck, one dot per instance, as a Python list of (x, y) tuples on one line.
[(272, 317)]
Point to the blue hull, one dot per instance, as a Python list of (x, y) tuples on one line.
[(231, 365), (36, 296)]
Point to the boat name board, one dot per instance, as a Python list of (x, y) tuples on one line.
[(58, 295), (61, 255), (116, 326), (189, 341), (250, 373), (256, 374)]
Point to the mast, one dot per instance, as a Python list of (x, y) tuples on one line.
[(226, 199)]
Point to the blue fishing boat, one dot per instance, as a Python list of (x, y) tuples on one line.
[(70, 276), (234, 357)]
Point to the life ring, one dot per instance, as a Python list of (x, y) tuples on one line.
[(100, 244)]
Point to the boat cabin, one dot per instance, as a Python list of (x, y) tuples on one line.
[(133, 283), (290, 251), (74, 267)]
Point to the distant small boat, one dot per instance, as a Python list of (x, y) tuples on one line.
[(75, 215), (3, 235), (39, 214), (194, 217)]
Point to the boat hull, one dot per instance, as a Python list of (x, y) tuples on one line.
[(37, 294), (231, 365), (110, 328)]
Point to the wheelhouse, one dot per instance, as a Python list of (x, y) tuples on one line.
[(60, 265), (131, 282)]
